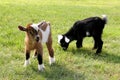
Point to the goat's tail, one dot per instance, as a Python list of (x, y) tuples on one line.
[(104, 18)]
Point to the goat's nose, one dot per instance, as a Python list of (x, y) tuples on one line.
[(64, 48), (37, 38)]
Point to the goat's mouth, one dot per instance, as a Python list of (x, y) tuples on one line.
[(64, 48)]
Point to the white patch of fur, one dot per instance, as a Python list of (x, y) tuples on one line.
[(27, 62), (41, 67), (45, 34), (59, 38), (35, 26), (51, 60), (87, 33), (104, 15), (67, 40), (105, 18)]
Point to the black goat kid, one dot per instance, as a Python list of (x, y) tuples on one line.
[(92, 26)]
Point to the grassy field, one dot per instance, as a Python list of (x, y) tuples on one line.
[(73, 64)]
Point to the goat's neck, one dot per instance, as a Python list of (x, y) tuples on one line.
[(70, 36)]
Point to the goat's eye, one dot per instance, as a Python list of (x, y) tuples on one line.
[(36, 32), (31, 33)]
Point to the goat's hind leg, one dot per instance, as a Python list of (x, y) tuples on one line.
[(51, 51), (100, 44)]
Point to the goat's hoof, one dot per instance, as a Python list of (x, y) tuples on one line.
[(27, 62), (98, 52), (51, 60), (41, 67)]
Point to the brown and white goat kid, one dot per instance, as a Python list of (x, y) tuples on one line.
[(36, 34)]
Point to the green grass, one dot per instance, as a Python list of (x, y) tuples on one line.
[(73, 64)]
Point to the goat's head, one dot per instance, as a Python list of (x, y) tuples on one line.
[(32, 31), (63, 41)]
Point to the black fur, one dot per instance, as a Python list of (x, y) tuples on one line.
[(90, 27), (27, 55), (39, 57)]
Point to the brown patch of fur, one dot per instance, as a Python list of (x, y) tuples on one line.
[(43, 26), (40, 33)]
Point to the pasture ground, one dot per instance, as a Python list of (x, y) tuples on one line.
[(73, 64)]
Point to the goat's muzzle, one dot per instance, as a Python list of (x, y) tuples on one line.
[(64, 48), (37, 38)]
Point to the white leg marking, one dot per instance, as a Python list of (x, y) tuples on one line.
[(51, 60), (41, 67), (27, 62)]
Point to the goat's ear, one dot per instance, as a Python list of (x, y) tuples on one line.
[(59, 38), (22, 28)]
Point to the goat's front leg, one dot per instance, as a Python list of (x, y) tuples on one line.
[(27, 61), (79, 43), (40, 58), (51, 51), (40, 62)]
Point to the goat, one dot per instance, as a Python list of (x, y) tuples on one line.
[(36, 34), (92, 26)]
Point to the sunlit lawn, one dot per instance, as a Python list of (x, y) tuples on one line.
[(73, 64)]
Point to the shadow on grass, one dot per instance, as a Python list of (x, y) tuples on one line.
[(103, 56), (54, 72), (60, 72)]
